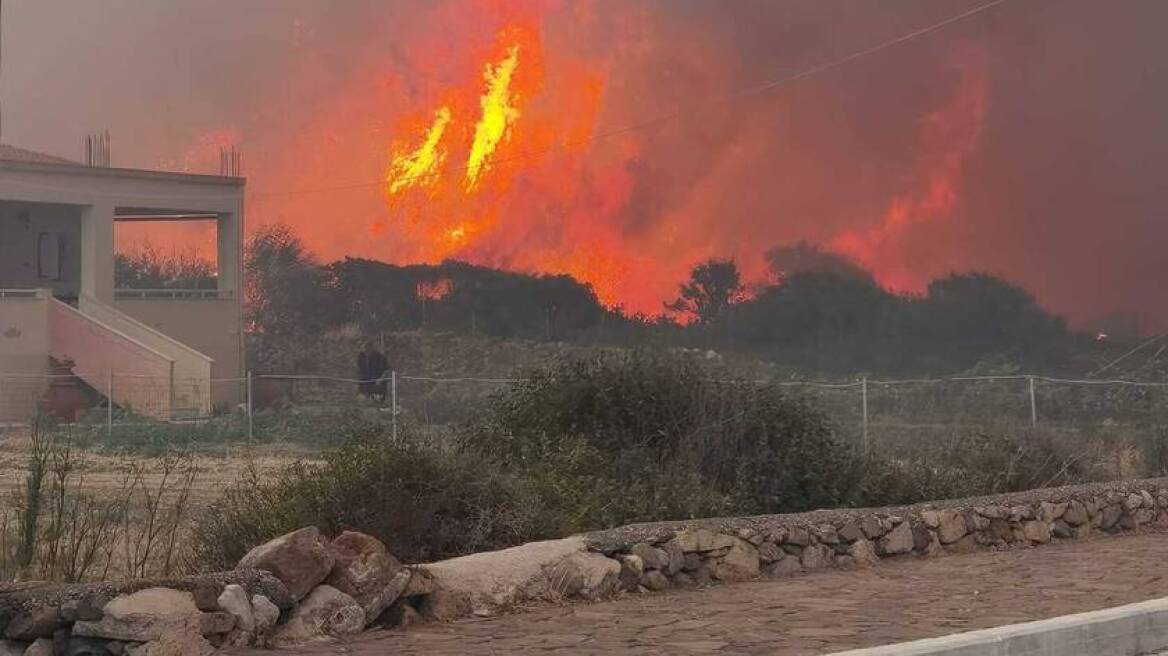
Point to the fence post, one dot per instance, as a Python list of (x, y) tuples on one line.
[(249, 407), (864, 406), (109, 406), (393, 403), (1033, 405), (170, 395)]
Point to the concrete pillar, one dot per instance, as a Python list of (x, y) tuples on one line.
[(97, 252), (229, 240), (230, 253)]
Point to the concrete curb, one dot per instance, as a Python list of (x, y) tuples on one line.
[(1121, 631)]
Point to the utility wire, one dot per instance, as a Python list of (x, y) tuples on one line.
[(750, 91), (1, 69)]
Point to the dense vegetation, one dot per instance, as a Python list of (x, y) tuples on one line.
[(149, 268), (586, 443), (821, 313)]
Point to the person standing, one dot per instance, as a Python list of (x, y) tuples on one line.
[(371, 368)]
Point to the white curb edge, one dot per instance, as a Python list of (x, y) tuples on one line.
[(1130, 630)]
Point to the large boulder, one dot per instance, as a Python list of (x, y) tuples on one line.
[(421, 582), (949, 525), (301, 560), (266, 614), (179, 640), (701, 540), (632, 569), (483, 582), (784, 568), (325, 614), (741, 563), (863, 553), (1076, 513), (898, 541), (586, 574), (656, 581), (367, 572), (1036, 531), (651, 557), (816, 556), (234, 601), (35, 622), (141, 616), (676, 557)]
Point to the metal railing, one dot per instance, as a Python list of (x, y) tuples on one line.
[(21, 293), (176, 294)]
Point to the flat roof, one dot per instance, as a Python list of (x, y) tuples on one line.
[(12, 157)]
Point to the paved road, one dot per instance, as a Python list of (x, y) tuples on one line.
[(821, 613)]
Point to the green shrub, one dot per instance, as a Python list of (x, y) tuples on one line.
[(588, 443), (424, 503), (979, 464), (670, 437)]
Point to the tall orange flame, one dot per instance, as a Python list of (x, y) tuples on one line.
[(418, 167), (499, 113)]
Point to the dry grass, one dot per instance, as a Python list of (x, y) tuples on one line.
[(104, 473), (102, 516)]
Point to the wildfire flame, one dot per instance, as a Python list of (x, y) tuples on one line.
[(444, 182), (499, 113), (434, 290), (455, 146), (415, 167)]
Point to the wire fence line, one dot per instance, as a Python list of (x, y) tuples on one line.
[(871, 413)]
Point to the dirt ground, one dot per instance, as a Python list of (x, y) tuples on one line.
[(102, 472), (125, 549), (906, 599)]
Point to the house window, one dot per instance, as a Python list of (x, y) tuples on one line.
[(50, 255)]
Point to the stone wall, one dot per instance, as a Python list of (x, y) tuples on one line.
[(298, 588), (663, 555), (303, 587)]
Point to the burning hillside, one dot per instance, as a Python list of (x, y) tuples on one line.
[(623, 143), (495, 171)]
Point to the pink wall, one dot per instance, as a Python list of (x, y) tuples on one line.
[(24, 354)]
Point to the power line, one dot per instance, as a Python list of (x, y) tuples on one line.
[(749, 91), (1, 69)]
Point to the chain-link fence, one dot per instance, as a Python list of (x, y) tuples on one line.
[(881, 415), (915, 414)]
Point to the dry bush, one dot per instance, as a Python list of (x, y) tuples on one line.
[(424, 502), (981, 463), (56, 528)]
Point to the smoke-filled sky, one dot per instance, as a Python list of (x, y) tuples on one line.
[(1028, 140)]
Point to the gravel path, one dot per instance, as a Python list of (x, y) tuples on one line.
[(815, 614)]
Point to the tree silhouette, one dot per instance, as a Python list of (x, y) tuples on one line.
[(713, 286)]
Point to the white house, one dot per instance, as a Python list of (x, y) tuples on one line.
[(163, 353)]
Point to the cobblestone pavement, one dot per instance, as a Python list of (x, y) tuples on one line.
[(815, 614)]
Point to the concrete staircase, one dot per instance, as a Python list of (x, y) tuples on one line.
[(141, 369), (190, 386)]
